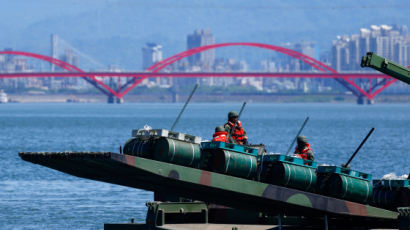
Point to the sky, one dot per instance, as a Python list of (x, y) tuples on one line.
[(114, 31)]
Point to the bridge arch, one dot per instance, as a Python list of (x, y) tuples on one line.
[(311, 61), (345, 81), (320, 66), (59, 63)]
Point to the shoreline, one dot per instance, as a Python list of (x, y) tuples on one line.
[(168, 98)]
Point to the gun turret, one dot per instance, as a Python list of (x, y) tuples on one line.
[(386, 66)]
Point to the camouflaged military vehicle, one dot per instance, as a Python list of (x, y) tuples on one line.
[(218, 185)]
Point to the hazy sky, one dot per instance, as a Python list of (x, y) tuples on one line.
[(115, 30)]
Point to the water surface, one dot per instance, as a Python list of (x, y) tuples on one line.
[(35, 197)]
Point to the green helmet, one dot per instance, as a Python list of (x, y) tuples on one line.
[(302, 139), (232, 114), (219, 128)]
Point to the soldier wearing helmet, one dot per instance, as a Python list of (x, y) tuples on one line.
[(238, 135), (220, 134), (303, 149)]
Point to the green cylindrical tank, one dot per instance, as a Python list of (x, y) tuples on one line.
[(177, 152), (137, 147), (345, 187), (290, 175), (391, 198), (383, 197), (234, 163)]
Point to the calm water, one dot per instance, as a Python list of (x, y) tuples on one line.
[(35, 197)]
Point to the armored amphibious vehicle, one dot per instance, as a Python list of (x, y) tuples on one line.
[(216, 185), (195, 182)]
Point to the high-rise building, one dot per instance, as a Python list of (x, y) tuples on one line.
[(71, 58), (205, 59), (388, 41), (308, 49), (151, 54), (54, 49)]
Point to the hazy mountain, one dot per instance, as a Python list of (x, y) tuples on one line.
[(113, 31)]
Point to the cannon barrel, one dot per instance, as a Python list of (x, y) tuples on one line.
[(386, 66)]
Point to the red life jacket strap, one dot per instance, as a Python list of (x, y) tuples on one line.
[(220, 133)]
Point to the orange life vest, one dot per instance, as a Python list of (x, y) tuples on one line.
[(239, 133), (220, 136), (304, 152)]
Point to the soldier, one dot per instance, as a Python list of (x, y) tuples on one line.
[(303, 149), (220, 134), (237, 136)]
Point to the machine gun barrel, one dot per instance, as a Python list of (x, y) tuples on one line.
[(386, 66), (183, 108)]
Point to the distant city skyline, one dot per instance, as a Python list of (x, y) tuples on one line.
[(112, 35), (388, 39)]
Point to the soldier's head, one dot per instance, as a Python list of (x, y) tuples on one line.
[(233, 116), (302, 141), (219, 129)]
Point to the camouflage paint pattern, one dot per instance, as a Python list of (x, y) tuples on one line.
[(203, 185)]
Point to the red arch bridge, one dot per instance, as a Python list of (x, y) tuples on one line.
[(375, 83)]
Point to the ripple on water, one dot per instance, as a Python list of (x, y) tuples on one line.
[(34, 197)]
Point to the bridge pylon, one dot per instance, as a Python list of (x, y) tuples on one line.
[(112, 99), (360, 100)]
